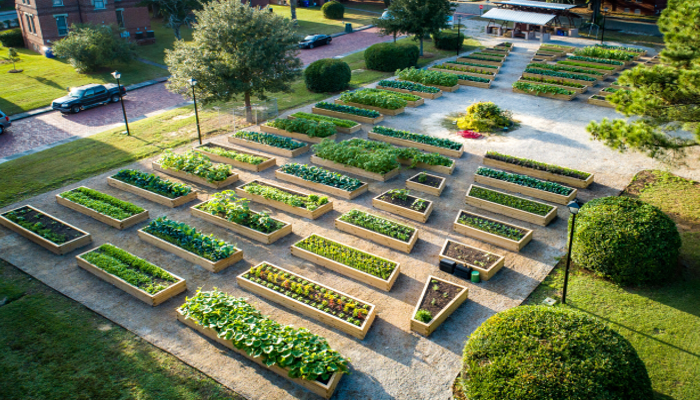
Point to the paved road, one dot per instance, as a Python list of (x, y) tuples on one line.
[(344, 45)]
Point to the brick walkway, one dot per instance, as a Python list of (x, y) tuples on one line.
[(343, 45)]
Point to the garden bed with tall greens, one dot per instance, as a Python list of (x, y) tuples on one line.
[(320, 129), (600, 52), (379, 225), (102, 203), (269, 139), (427, 77), (188, 238), (338, 122), (410, 86), (228, 206), (152, 183), (416, 137), (380, 99), (464, 69), (537, 89), (319, 175), (360, 112), (560, 74), (507, 200), (233, 154), (537, 165), (553, 82), (565, 69), (309, 202), (586, 66), (196, 164), (596, 60)]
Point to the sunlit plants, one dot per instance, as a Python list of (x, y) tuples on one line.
[(341, 123), (270, 140), (490, 226), (415, 137), (310, 202), (525, 162), (380, 99), (564, 68), (378, 224), (102, 203), (510, 201), (190, 239), (536, 88), (152, 183), (427, 77), (196, 164), (485, 117), (360, 112), (228, 206), (560, 74), (412, 86), (235, 155), (322, 176), (464, 69), (304, 126)]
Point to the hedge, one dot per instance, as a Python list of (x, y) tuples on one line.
[(388, 57), (327, 75), (448, 40), (333, 10), (12, 38)]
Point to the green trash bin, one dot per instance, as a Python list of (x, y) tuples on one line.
[(475, 277), (348, 27)]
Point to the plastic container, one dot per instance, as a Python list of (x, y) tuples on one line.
[(475, 277), (348, 27)]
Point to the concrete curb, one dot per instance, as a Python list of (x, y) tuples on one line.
[(362, 28)]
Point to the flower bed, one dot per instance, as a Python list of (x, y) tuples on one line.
[(438, 301), (443, 80), (45, 230), (310, 298), (237, 158), (341, 125), (582, 79), (293, 353), (428, 92), (378, 229), (539, 169), (509, 205), (270, 143), (423, 142), (349, 112), (347, 260), (322, 179), (152, 187), (426, 183), (487, 263), (139, 278), (579, 71), (197, 168), (489, 230), (539, 90), (102, 207), (399, 201), (576, 87), (385, 102), (305, 205), (300, 129), (599, 100)]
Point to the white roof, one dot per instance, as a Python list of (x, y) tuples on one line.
[(538, 4), (518, 16)]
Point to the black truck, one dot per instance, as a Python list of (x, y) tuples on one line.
[(87, 96)]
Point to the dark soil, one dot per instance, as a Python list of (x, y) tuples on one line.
[(55, 226), (432, 181), (439, 296), (402, 203), (469, 255)]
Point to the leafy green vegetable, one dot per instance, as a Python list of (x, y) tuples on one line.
[(415, 137), (18, 217), (553, 81), (424, 316), (627, 49), (600, 52), (524, 180), (378, 224), (322, 176), (152, 183), (473, 78), (560, 74), (306, 127), (196, 164), (227, 205), (102, 203), (465, 69), (473, 64), (381, 99), (343, 123), (310, 202), (187, 237), (361, 112), (412, 86), (540, 166), (270, 140), (490, 226), (405, 96), (235, 155), (567, 69), (595, 60), (510, 201), (535, 88), (427, 77), (577, 64)]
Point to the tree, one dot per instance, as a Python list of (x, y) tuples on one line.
[(293, 10), (665, 97), (236, 49), (421, 17), (90, 47), (388, 26), (176, 12), (13, 57)]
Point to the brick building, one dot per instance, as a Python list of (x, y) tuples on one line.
[(643, 7), (46, 21)]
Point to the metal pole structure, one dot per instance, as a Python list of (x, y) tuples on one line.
[(459, 32), (568, 258), (196, 115), (121, 100), (602, 36)]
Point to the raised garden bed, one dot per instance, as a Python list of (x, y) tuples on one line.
[(582, 82), (45, 230), (274, 144), (137, 277), (307, 297), (240, 159), (510, 205), (347, 260), (435, 168), (598, 100), (341, 125), (282, 198), (239, 313), (565, 97), (434, 306), (597, 62), (354, 170), (294, 135), (231, 179), (597, 75), (584, 89), (383, 111), (426, 183), (496, 50), (489, 230), (347, 112), (400, 202), (480, 61), (378, 229), (182, 240), (441, 87), (485, 262), (591, 68), (449, 71), (542, 56), (427, 143), (527, 185), (467, 82), (102, 207), (539, 169), (477, 69), (152, 187), (333, 182), (416, 89)]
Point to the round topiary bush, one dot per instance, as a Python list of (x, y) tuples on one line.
[(448, 40), (333, 10), (327, 75), (388, 57), (485, 116), (541, 352), (625, 240)]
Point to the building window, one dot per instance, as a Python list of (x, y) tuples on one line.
[(99, 4), (30, 23), (57, 3), (61, 25), (120, 18)]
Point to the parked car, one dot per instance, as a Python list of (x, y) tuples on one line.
[(87, 96), (312, 41), (5, 122)]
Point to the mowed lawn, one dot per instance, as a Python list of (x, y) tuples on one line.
[(663, 321)]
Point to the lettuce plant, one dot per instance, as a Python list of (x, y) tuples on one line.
[(270, 140), (102, 203), (152, 183), (196, 164)]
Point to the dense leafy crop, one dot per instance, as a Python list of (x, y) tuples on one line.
[(555, 169), (416, 137), (322, 176), (412, 86), (304, 126), (152, 183), (535, 88), (428, 77), (405, 96), (558, 74), (566, 69), (136, 271), (235, 155), (485, 117), (304, 354), (464, 69), (378, 224), (270, 140), (612, 90), (348, 109), (510, 201), (553, 81), (584, 65), (524, 180), (196, 164), (227, 205), (187, 237), (482, 58), (343, 123), (473, 78), (474, 64), (102, 203), (381, 99), (423, 316), (18, 217), (490, 226), (554, 47), (600, 52), (635, 50), (310, 202), (595, 60), (353, 258), (494, 55)]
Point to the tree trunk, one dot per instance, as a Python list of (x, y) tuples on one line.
[(395, 37), (293, 8), (176, 27), (248, 109), (421, 45)]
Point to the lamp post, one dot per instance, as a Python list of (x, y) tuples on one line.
[(574, 206), (193, 83), (602, 36), (459, 32), (116, 76)]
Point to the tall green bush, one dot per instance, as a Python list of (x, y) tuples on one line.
[(448, 40), (333, 10), (90, 47), (327, 75), (388, 57), (12, 38)]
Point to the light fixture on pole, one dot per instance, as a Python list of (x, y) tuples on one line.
[(193, 83), (117, 76), (459, 32), (602, 36), (574, 207)]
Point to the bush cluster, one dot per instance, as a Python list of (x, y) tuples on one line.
[(90, 47), (12, 38), (448, 40), (327, 75), (333, 10), (388, 57), (485, 117)]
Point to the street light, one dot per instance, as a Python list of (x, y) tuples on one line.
[(193, 83), (459, 32), (116, 76), (602, 36), (574, 207)]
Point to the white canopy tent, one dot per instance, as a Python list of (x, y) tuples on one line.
[(520, 17)]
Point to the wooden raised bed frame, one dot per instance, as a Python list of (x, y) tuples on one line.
[(302, 212), (59, 249), (417, 145), (154, 197), (500, 241), (606, 72), (557, 78), (213, 266), (547, 95), (595, 64), (266, 238), (194, 178), (443, 88), (270, 149), (426, 329), (526, 190), (404, 212), (351, 117), (321, 187), (484, 273), (435, 191), (295, 135), (483, 85), (354, 170), (323, 390), (542, 220), (105, 219), (441, 169), (549, 176), (270, 162), (599, 102), (383, 111), (329, 319), (479, 61), (449, 71), (495, 70), (375, 281), (431, 96), (575, 89), (377, 237), (340, 129), (150, 299)]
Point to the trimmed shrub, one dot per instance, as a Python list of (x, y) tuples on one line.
[(327, 75), (12, 38), (541, 352), (626, 240), (333, 10), (89, 47), (388, 57), (448, 40), (485, 116)]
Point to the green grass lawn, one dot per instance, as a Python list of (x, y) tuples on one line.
[(661, 322), (45, 79), (164, 40)]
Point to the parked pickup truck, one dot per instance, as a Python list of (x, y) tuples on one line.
[(84, 97)]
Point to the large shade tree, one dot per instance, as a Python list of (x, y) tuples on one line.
[(236, 50), (665, 97), (177, 13), (420, 17)]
